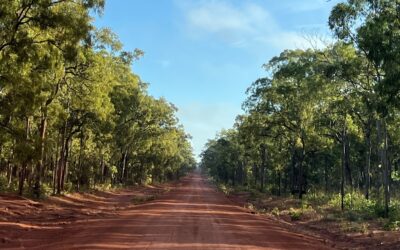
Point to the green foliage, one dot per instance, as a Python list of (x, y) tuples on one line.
[(275, 211), (318, 198), (73, 110), (324, 120), (295, 214), (45, 190), (393, 226), (396, 175), (361, 209), (3, 183), (224, 188), (356, 201)]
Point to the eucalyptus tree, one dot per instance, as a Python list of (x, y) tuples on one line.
[(72, 110), (288, 100), (324, 118), (39, 43), (222, 157), (373, 28)]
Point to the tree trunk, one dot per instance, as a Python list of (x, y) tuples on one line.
[(124, 156), (285, 182), (22, 174), (383, 148), (255, 173), (61, 161), (368, 163), (79, 174), (279, 182), (344, 153), (56, 165), (302, 180), (11, 169), (293, 169), (326, 173), (9, 173), (103, 168), (234, 177), (349, 177), (263, 166), (241, 171), (39, 165), (64, 175), (141, 172)]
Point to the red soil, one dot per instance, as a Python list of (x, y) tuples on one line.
[(191, 216)]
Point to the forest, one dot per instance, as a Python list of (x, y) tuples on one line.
[(324, 122), (73, 114)]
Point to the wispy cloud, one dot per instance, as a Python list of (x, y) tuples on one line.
[(203, 119), (240, 25), (304, 5)]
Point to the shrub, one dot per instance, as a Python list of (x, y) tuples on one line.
[(394, 210), (254, 193), (250, 206), (317, 198), (3, 183), (275, 211), (355, 201), (392, 225), (354, 216), (224, 188), (351, 227), (295, 214)]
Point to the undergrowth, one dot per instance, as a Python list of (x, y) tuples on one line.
[(358, 215)]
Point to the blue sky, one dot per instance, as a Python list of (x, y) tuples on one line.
[(201, 55)]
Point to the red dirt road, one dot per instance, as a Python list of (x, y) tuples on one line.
[(191, 216)]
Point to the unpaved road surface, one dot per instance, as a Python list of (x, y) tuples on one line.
[(193, 215)]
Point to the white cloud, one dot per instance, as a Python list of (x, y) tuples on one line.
[(241, 26), (304, 5), (293, 40), (219, 17), (308, 5)]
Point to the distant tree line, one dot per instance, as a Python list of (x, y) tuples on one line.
[(323, 119), (72, 112)]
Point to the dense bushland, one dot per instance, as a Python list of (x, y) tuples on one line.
[(73, 115), (324, 120)]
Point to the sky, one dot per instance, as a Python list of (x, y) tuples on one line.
[(202, 55)]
